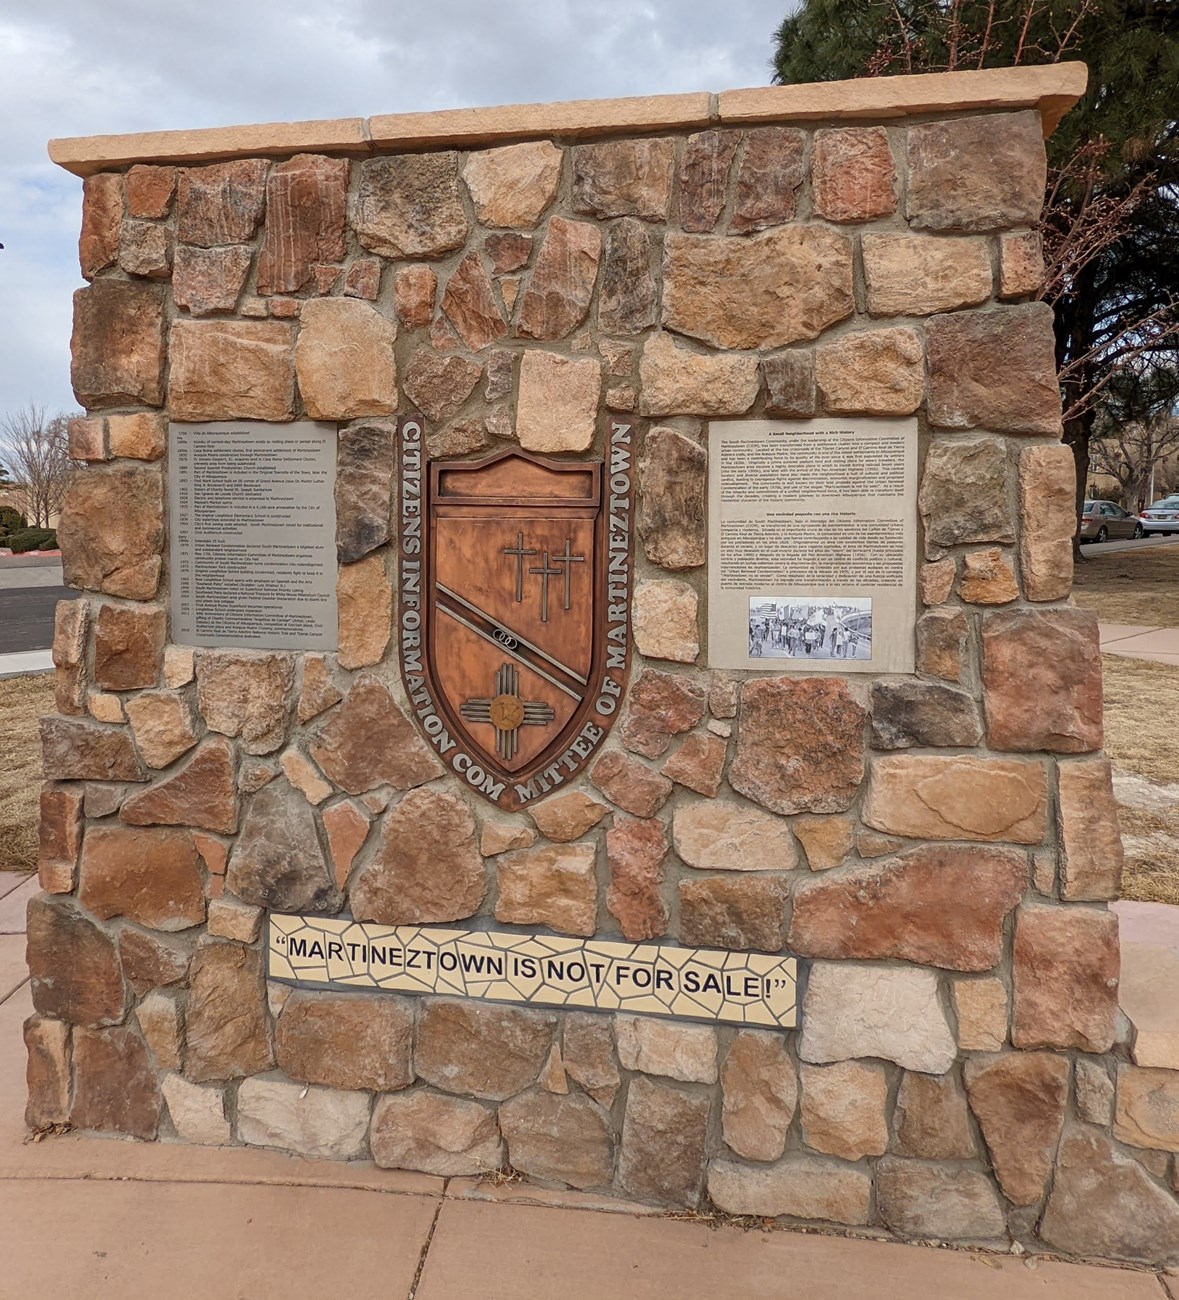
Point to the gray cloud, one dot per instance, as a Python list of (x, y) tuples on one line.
[(73, 67)]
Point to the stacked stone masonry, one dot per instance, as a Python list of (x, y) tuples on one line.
[(942, 847)]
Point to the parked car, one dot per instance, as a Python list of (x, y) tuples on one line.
[(1163, 516), (1103, 520)]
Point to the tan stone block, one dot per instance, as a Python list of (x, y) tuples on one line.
[(1042, 680), (624, 178), (48, 1073), (765, 291), (699, 764), (963, 496), (1094, 1093), (105, 708), (664, 1133), (214, 852), (118, 344), (629, 784), (945, 1203), (317, 691), (344, 360), (568, 816), (588, 1055), (988, 578), (501, 836), (958, 798), (347, 826), (368, 742), (151, 876), (128, 647), (557, 409), (305, 216), (162, 1027), (322, 1123), (790, 383), (150, 191), (664, 619), (87, 439), (246, 694), (723, 835), (305, 777), (492, 1052), (827, 840), (981, 1008), (414, 290), (229, 919), (102, 219), (1147, 1112), (738, 912), (843, 1109), (880, 372), (852, 174), (278, 861), (918, 275), (438, 385), (1066, 968), (60, 837), (200, 794), (1048, 520), (799, 1187), (1021, 264), (1089, 834), (562, 281), (426, 866), (759, 1085), (163, 726), (145, 249), (769, 176), (932, 1120), (115, 1089), (512, 186), (365, 601), (675, 1051), (342, 1040), (152, 960), (994, 370), (552, 885), (862, 1009), (800, 746), (445, 1136), (470, 305), (223, 370), (677, 381), (197, 1111), (937, 581), (140, 436), (73, 965), (561, 1138), (1019, 1101), (206, 280), (225, 1023), (409, 205), (222, 203), (941, 643), (976, 173), (661, 705), (635, 850), (179, 665), (73, 749)]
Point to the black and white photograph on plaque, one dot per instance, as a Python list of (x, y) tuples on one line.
[(810, 627)]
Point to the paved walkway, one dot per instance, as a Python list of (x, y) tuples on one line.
[(99, 1219), (1134, 641)]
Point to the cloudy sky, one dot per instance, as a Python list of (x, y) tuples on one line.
[(77, 67)]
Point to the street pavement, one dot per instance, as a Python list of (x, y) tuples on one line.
[(99, 1219), (26, 617)]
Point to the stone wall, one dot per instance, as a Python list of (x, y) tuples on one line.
[(942, 846)]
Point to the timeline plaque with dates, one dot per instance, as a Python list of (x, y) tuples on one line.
[(515, 576)]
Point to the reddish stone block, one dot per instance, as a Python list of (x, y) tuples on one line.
[(48, 1072), (150, 191), (635, 849), (305, 213), (222, 203), (852, 174), (102, 219), (73, 965), (60, 837), (115, 1089), (118, 344), (129, 647)]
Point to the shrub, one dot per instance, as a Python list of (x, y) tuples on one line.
[(33, 539), (11, 520)]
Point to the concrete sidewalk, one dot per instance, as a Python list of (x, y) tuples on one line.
[(1135, 641), (97, 1219)]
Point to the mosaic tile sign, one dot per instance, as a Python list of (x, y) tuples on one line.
[(742, 988)]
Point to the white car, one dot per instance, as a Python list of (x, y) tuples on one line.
[(1163, 516)]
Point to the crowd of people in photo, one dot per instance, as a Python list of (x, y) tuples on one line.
[(809, 631)]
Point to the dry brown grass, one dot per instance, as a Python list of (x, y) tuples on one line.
[(1130, 586), (1142, 738), (22, 701)]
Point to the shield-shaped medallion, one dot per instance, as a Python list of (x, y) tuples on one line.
[(514, 603)]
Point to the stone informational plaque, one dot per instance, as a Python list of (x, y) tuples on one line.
[(812, 544), (741, 988), (253, 534)]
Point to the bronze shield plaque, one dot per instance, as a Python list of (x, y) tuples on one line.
[(514, 587)]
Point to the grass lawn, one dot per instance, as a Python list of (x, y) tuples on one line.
[(1129, 586), (22, 701)]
